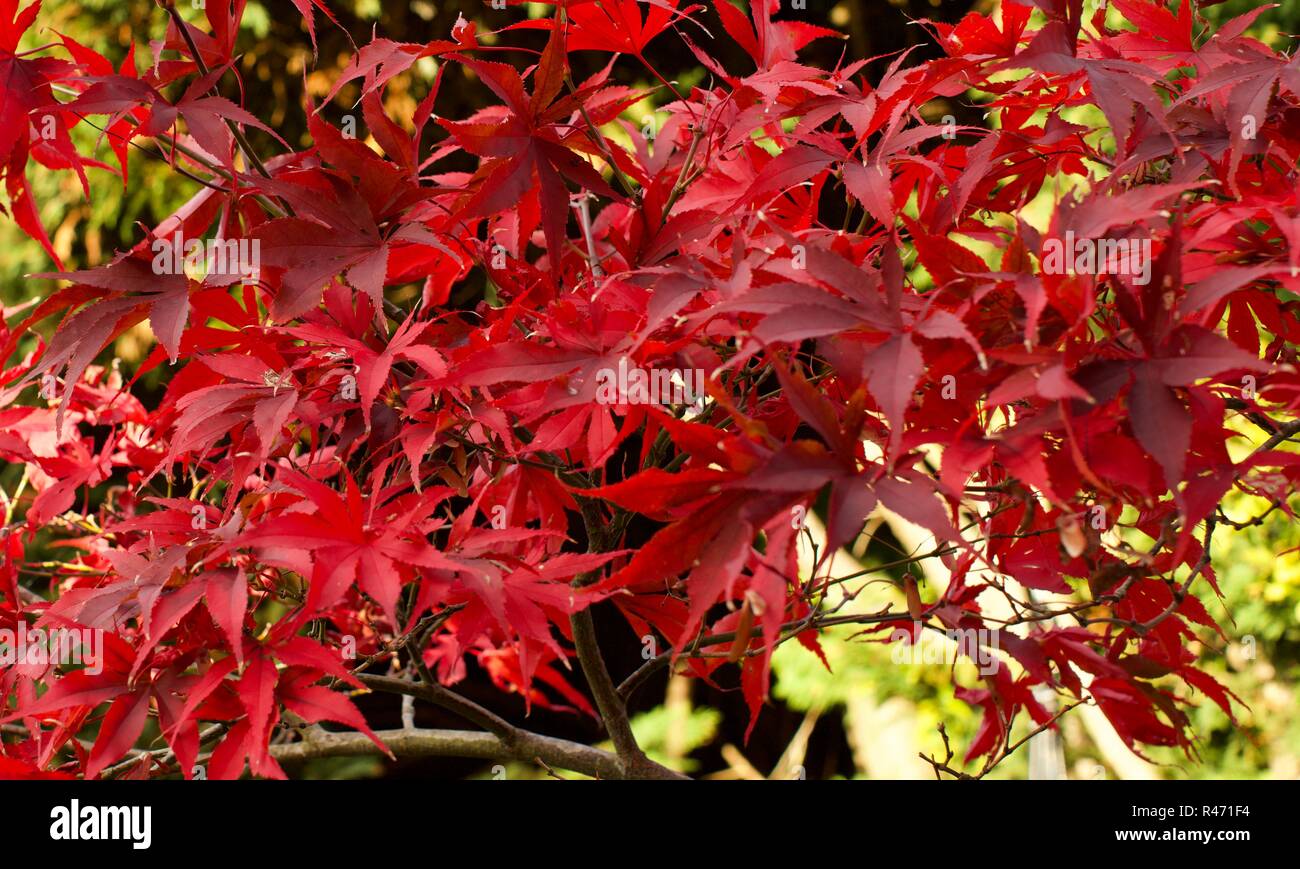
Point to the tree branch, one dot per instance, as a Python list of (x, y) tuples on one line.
[(789, 631), (449, 700), (197, 57), (503, 741), (1284, 432), (529, 748), (613, 711)]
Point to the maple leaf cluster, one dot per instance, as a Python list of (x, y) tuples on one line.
[(393, 443)]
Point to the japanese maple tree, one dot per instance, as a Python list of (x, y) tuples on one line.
[(391, 448)]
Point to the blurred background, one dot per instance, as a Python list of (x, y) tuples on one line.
[(869, 717)]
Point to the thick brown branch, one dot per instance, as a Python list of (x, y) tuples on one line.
[(529, 748), (503, 741)]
